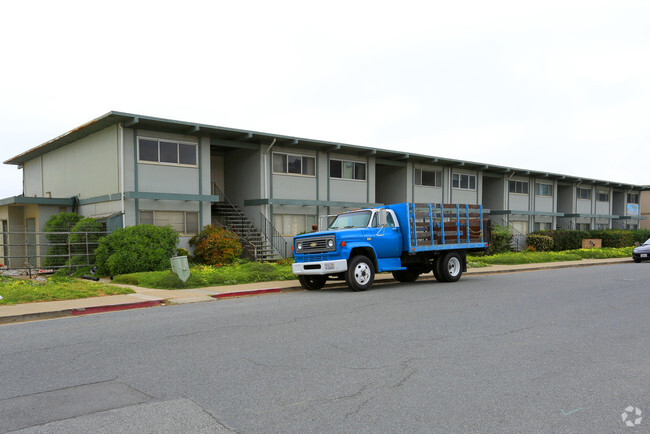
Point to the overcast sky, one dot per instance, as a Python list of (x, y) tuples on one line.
[(558, 86)]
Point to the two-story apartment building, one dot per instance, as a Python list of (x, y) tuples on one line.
[(127, 169)]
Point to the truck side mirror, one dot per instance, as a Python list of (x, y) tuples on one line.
[(383, 217)]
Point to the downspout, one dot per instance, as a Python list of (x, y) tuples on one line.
[(268, 180), (121, 146), (200, 184)]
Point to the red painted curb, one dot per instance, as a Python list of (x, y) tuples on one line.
[(246, 292), (113, 308)]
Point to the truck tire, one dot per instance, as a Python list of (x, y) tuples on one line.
[(360, 274), (451, 267), (408, 275), (436, 268), (312, 283)]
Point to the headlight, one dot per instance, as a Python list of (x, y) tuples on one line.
[(299, 246), (330, 243)]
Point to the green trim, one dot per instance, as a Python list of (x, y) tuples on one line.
[(632, 217), (22, 200), (517, 212), (596, 216), (171, 196), (256, 202)]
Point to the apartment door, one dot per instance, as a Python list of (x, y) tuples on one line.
[(31, 241), (5, 242)]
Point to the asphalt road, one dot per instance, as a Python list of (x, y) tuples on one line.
[(548, 351)]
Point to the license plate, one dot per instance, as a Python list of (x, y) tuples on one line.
[(644, 255)]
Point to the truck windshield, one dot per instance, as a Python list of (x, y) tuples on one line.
[(358, 219)]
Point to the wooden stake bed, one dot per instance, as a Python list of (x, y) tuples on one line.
[(441, 225)]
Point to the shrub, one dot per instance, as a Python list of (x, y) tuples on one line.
[(540, 243), (613, 237), (216, 246), (86, 232), (57, 252), (500, 239), (135, 249)]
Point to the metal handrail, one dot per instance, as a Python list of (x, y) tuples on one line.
[(277, 241)]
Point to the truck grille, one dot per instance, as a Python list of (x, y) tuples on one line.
[(315, 245)]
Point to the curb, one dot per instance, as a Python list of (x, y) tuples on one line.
[(37, 316), (115, 307), (246, 292)]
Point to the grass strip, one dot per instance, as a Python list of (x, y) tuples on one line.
[(15, 291), (513, 258), (201, 276)]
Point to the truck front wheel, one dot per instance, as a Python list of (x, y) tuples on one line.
[(312, 283), (451, 267), (360, 274)]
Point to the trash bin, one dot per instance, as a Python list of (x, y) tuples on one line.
[(181, 267)]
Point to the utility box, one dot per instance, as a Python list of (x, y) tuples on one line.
[(181, 267), (591, 243)]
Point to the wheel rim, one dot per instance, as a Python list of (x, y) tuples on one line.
[(453, 267), (362, 273)]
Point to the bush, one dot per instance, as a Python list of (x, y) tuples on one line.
[(86, 232), (57, 253), (540, 243), (500, 239), (135, 249), (216, 246)]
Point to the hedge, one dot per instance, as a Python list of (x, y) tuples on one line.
[(571, 240)]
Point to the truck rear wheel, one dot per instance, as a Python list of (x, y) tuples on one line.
[(312, 283), (436, 269), (408, 275), (451, 267), (360, 274)]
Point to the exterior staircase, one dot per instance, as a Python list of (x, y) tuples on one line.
[(256, 245)]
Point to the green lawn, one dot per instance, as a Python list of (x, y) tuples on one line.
[(202, 275), (512, 258), (24, 291), (14, 291)]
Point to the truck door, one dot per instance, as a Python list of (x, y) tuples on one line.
[(386, 240)]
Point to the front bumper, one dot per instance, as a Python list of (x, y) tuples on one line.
[(320, 268)]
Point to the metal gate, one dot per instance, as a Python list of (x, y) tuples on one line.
[(30, 252)]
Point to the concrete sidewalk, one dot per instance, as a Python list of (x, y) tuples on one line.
[(146, 297)]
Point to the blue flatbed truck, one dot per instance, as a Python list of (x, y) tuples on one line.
[(407, 239)]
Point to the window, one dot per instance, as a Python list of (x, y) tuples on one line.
[(542, 226), (389, 220), (583, 226), (294, 164), (543, 189), (167, 152), (183, 222), (633, 198), (603, 196), (289, 224), (347, 170), (428, 178), (518, 187), (463, 182), (584, 193)]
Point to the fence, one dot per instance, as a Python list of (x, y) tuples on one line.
[(32, 252)]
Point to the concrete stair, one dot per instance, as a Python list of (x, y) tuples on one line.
[(230, 216)]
